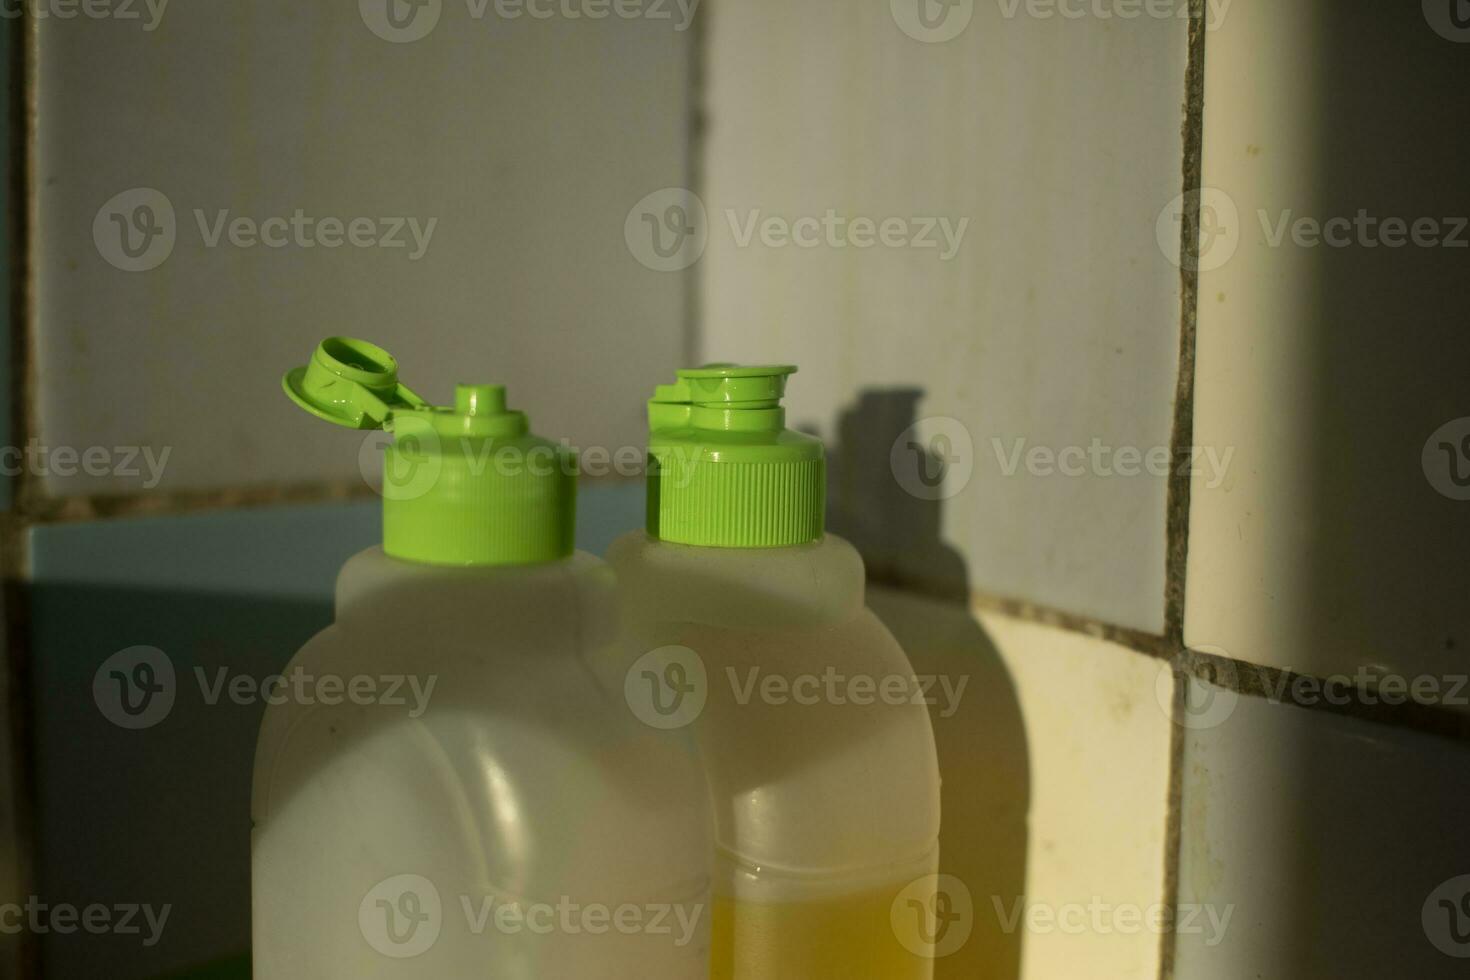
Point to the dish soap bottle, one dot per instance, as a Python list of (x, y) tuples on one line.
[(749, 626), (443, 789)]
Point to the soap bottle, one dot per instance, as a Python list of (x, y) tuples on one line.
[(443, 788), (747, 626)]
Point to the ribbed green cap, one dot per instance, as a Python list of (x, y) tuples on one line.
[(724, 471), (462, 485)]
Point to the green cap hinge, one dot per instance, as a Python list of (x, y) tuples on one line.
[(462, 485)]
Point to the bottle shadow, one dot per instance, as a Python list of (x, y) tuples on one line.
[(156, 816), (919, 587)]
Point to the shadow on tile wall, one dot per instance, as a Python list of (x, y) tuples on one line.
[(982, 743), (157, 816), (159, 813), (1342, 550), (1388, 577)]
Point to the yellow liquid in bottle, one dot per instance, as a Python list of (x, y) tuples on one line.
[(847, 937)]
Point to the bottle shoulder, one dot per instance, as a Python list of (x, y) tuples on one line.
[(812, 724), (506, 769), (801, 586), (559, 605), (436, 658), (498, 814)]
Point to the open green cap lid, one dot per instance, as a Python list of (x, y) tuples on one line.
[(724, 471), (462, 485)]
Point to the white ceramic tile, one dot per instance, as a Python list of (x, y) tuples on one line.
[(1330, 843), (529, 140), (1053, 324), (1329, 369), (1055, 760)]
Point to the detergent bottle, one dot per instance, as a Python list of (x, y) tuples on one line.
[(747, 626), (444, 789)]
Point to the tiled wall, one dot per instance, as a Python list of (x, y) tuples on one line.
[(965, 397), (1008, 411), (491, 163), (1309, 522), (1033, 153), (1330, 361), (1335, 549), (1055, 760)]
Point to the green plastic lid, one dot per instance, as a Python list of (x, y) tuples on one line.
[(467, 485), (724, 471)]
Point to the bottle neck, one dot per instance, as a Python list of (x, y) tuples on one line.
[(734, 494)]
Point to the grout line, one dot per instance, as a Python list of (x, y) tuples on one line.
[(1177, 507), (20, 41), (24, 211), (44, 510), (1176, 533), (1237, 676), (697, 114), (1278, 687), (1173, 824), (1139, 641)]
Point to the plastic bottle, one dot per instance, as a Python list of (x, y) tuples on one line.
[(748, 624), (443, 788)]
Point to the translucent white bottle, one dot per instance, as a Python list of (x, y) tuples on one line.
[(443, 787), (747, 624)]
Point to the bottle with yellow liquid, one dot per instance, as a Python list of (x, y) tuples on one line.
[(746, 623)]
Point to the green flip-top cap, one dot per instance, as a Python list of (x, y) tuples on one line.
[(462, 485), (724, 471)]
